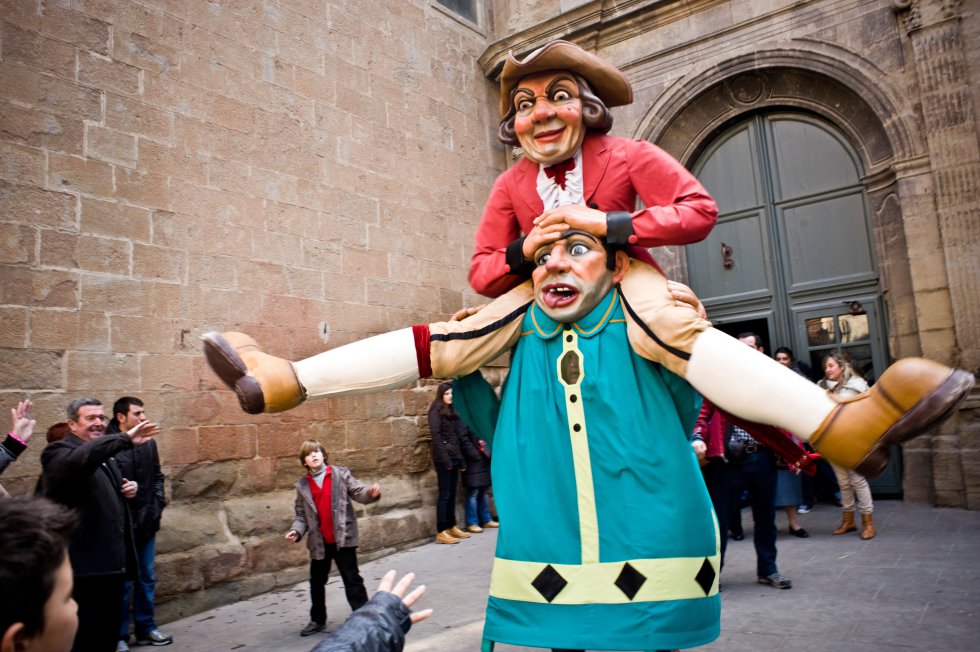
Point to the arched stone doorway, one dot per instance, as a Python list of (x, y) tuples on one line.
[(780, 128)]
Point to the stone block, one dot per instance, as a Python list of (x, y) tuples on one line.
[(76, 174), (222, 563), (39, 208), (218, 443), (187, 526), (17, 244), (255, 476), (13, 327), (116, 220), (260, 515), (177, 445), (134, 117), (110, 145), (178, 573), (273, 553), (399, 491), (168, 371), (172, 161), (56, 133), (142, 52), (142, 189), (19, 164), (108, 74), (27, 370), (85, 252), (159, 263), (204, 480), (32, 50), (69, 330)]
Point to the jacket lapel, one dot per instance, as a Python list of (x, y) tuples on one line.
[(527, 186), (595, 160)]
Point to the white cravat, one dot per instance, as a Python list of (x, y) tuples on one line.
[(552, 195)]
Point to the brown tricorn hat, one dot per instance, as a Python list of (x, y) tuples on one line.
[(607, 82)]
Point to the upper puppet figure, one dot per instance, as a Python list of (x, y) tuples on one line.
[(554, 104)]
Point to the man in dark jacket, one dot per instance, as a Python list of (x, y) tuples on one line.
[(142, 465), (79, 472)]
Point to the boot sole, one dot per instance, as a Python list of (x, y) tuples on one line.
[(932, 410), (233, 372)]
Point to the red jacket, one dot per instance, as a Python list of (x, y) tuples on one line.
[(713, 422), (615, 172)]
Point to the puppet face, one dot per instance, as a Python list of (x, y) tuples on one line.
[(548, 122), (571, 278)]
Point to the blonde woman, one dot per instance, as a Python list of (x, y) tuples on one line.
[(840, 379)]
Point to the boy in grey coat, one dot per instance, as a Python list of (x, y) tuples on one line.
[(324, 510)]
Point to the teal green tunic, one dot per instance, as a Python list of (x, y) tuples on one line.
[(607, 540)]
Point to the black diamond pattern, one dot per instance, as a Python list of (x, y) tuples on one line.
[(630, 580), (706, 576), (549, 583)]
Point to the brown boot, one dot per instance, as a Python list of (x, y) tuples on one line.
[(445, 537), (913, 395), (867, 527), (846, 524), (456, 532), (263, 382)]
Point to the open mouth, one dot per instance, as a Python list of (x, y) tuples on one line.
[(559, 295)]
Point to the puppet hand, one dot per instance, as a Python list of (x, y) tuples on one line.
[(684, 296), (575, 216), (541, 237)]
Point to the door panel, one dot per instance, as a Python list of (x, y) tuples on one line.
[(793, 220), (743, 237), (827, 243)]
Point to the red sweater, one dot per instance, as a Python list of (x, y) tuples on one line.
[(324, 509)]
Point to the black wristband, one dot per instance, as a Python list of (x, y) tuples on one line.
[(515, 260), (619, 228)]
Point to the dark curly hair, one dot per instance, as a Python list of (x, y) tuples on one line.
[(595, 115)]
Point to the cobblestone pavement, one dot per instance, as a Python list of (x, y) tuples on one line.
[(915, 587)]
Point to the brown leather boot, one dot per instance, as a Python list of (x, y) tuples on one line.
[(913, 395), (867, 527), (846, 524), (263, 382)]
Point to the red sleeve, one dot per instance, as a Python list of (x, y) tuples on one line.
[(489, 273), (678, 208)]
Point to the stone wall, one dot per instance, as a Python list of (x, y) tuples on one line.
[(289, 169)]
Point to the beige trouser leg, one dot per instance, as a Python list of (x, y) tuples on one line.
[(377, 363), (853, 485), (391, 360), (733, 376)]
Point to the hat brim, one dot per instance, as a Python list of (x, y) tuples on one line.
[(606, 81)]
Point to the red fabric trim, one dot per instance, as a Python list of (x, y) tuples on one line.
[(422, 357)]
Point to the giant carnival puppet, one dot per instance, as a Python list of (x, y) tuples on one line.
[(595, 412)]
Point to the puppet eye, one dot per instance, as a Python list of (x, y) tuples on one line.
[(579, 249), (542, 259), (561, 95), (525, 105)]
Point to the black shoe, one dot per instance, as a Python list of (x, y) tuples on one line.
[(312, 627), (738, 537), (803, 534), (776, 581)]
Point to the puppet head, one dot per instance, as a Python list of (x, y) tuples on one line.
[(571, 276), (550, 98)]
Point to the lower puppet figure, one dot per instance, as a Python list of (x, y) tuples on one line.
[(592, 437), (325, 513)]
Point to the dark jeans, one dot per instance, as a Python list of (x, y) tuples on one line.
[(446, 506), (726, 482), (346, 559), (822, 484), (98, 598), (477, 506), (145, 586)]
